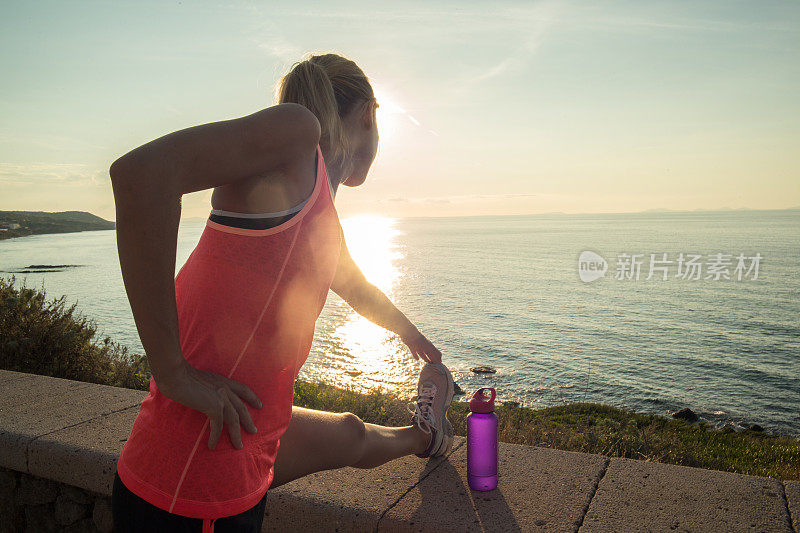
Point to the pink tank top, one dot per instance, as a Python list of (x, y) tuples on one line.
[(247, 305)]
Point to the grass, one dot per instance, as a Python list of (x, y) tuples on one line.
[(47, 338), (591, 428)]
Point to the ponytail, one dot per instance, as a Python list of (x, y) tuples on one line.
[(330, 86)]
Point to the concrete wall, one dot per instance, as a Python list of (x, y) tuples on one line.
[(31, 503), (60, 441)]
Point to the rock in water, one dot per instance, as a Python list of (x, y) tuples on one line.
[(457, 389), (483, 370), (755, 427), (686, 414)]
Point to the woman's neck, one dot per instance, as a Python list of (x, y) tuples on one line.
[(337, 172)]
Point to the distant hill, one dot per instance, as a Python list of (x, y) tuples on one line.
[(22, 223)]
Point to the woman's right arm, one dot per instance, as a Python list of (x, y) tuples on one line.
[(148, 183)]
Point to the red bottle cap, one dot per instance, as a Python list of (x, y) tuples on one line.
[(479, 403)]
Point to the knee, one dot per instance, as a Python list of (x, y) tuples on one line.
[(355, 426)]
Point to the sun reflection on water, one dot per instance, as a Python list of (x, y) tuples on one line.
[(371, 241), (376, 355), (350, 350)]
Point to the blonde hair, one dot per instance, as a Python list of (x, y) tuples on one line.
[(330, 86)]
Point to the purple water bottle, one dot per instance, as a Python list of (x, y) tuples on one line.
[(482, 439)]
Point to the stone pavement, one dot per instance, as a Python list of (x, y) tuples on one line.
[(72, 432)]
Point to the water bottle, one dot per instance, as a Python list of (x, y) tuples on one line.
[(482, 441)]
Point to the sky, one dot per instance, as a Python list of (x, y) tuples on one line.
[(521, 107)]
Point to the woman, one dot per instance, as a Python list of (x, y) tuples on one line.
[(234, 327)]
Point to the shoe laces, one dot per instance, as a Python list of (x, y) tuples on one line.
[(423, 408)]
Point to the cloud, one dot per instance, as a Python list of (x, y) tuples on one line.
[(526, 27), (421, 24), (47, 174), (278, 47), (457, 199), (267, 36), (46, 141), (493, 71), (633, 23)]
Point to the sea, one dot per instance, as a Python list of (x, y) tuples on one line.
[(651, 311)]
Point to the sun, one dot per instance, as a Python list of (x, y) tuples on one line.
[(389, 113)]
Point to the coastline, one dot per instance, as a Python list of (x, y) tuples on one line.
[(15, 224)]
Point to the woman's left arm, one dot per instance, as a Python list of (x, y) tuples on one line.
[(370, 302)]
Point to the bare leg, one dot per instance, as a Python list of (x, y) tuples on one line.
[(384, 444), (319, 440)]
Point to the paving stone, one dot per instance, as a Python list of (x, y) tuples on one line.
[(84, 455), (36, 491), (345, 499), (644, 496), (67, 511), (40, 519), (793, 499), (76, 495), (7, 376), (102, 516), (539, 489), (84, 525), (13, 519), (8, 484)]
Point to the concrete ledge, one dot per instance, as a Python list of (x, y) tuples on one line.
[(352, 498), (636, 495), (71, 433), (538, 490), (32, 407), (793, 502)]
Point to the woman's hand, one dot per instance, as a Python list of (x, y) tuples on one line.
[(217, 397), (421, 347)]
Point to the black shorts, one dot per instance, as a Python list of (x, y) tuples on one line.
[(132, 513)]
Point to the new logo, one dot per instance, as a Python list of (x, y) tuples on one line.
[(591, 266)]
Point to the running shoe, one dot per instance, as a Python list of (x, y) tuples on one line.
[(435, 393)]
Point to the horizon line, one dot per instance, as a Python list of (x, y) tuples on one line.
[(538, 213), (543, 213)]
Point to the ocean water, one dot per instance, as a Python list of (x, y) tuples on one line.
[(505, 292)]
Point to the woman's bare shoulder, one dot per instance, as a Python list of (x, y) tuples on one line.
[(289, 125), (293, 172), (219, 153)]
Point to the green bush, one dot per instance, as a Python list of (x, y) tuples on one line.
[(47, 338)]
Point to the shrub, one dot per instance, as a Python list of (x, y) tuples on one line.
[(47, 338)]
